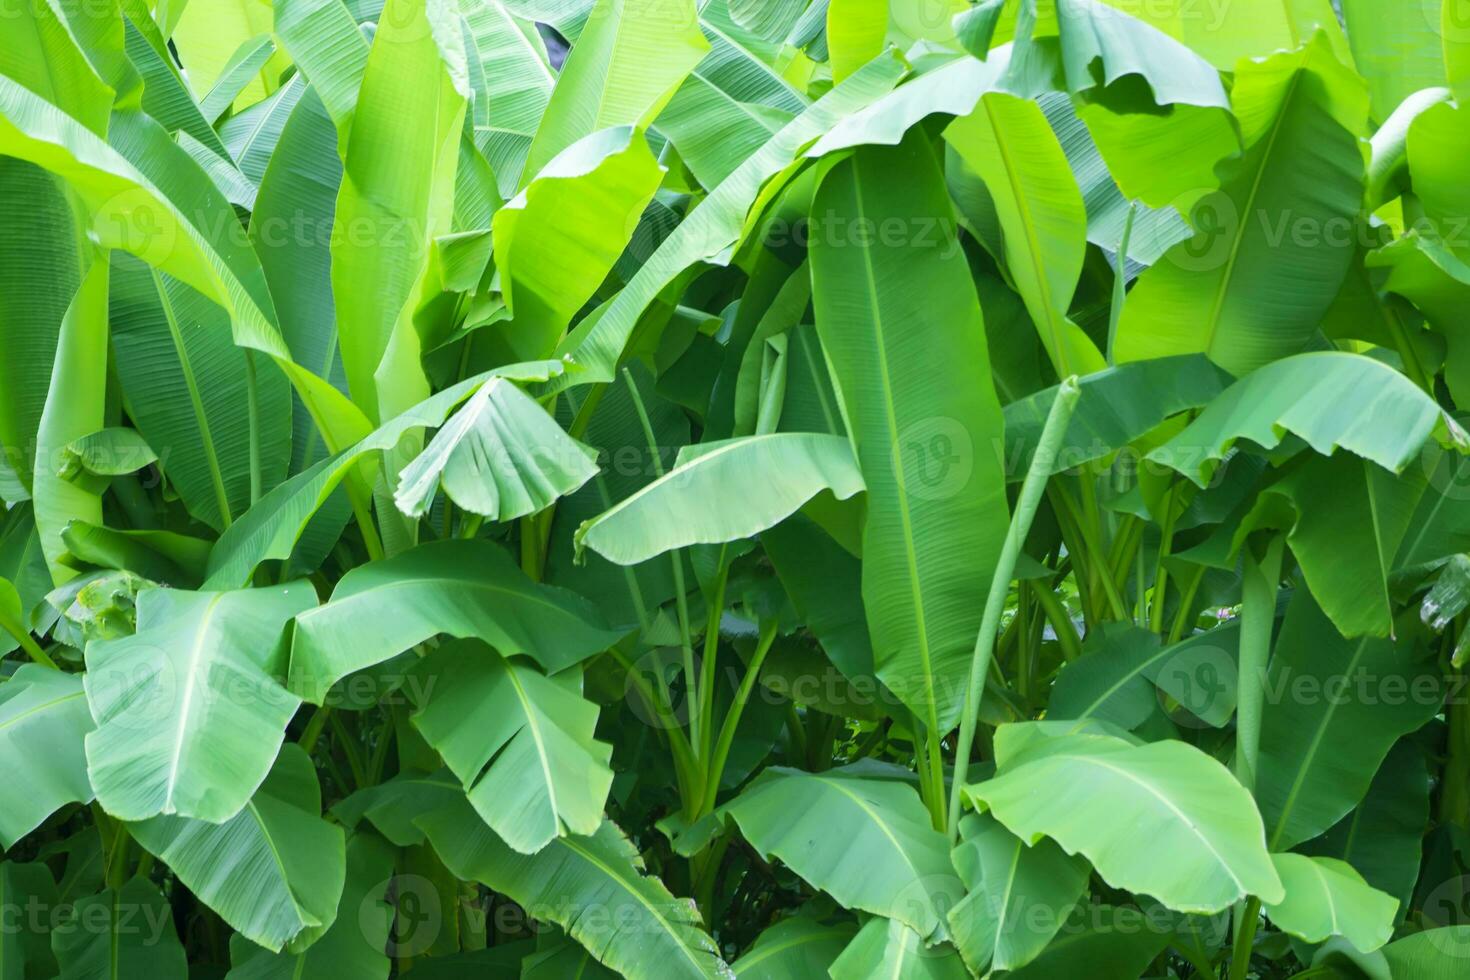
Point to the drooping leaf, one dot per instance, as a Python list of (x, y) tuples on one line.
[(43, 720), (1332, 400), (500, 456), (556, 241), (466, 588), (274, 871), (355, 942), (1008, 142), (723, 491), (190, 709), (1334, 708), (636, 926), (118, 934), (1020, 895), (793, 948), (902, 329), (1272, 247), (1325, 898), (520, 742), (271, 528), (1162, 819), (814, 822), (622, 70)]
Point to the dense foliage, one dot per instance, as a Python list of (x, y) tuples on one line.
[(757, 488)]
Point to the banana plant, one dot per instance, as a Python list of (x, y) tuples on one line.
[(734, 488)]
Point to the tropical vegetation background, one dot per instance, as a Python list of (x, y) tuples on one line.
[(736, 488)]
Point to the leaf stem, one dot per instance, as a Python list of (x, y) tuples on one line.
[(721, 754), (1120, 282), (1257, 615), (1245, 937), (676, 557), (712, 650), (1037, 475)]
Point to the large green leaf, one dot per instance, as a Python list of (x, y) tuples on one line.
[(517, 86), (1244, 28), (353, 946), (792, 949), (75, 407), (397, 195), (1162, 819), (128, 211), (1325, 897), (1334, 708), (25, 949), (594, 887), (816, 822), (191, 390), (43, 720), (622, 70), (889, 948), (466, 588), (190, 709), (1381, 837), (1396, 47), (271, 528), (500, 456), (1351, 520), (1019, 895), (322, 37), (290, 229), (274, 871), (718, 221), (38, 276), (1272, 247), (723, 491), (1331, 400), (951, 89), (1116, 406), (1008, 142), (1102, 46), (556, 241), (903, 332), (120, 934), (521, 743)]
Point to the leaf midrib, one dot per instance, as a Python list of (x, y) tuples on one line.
[(910, 553), (196, 400), (1289, 804), (626, 886), (196, 654), (1212, 324)]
